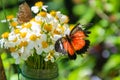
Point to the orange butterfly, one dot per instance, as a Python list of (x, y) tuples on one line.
[(74, 43)]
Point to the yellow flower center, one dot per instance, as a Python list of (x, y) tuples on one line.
[(23, 34), (16, 31), (23, 43), (53, 13), (12, 49), (71, 27), (10, 17), (33, 37), (5, 35), (14, 24), (49, 57), (28, 25), (15, 40), (23, 25), (44, 44), (43, 14), (39, 4), (39, 22), (56, 32), (48, 27), (62, 29)]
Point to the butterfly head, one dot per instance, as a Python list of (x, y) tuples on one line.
[(68, 38)]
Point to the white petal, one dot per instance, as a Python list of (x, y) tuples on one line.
[(56, 37), (37, 18), (35, 9), (59, 15), (67, 31), (38, 50), (44, 7), (52, 59), (63, 18), (17, 61), (46, 59), (2, 41), (3, 21), (15, 55)]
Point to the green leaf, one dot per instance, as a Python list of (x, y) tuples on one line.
[(87, 17), (83, 71), (79, 9), (112, 63)]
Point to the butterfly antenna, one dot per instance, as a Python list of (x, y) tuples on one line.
[(88, 25)]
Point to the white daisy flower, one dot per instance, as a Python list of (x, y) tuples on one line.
[(36, 36), (49, 57), (36, 9)]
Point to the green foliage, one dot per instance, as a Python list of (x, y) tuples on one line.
[(85, 68), (112, 64)]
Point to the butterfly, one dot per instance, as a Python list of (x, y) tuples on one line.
[(24, 14), (73, 43)]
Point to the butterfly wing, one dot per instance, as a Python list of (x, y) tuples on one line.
[(64, 46), (24, 14), (69, 48), (82, 50), (74, 43), (75, 29), (59, 46), (78, 41)]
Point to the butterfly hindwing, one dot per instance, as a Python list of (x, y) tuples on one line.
[(59, 46), (62, 45), (69, 48)]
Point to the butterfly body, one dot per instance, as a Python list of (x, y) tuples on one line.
[(74, 43)]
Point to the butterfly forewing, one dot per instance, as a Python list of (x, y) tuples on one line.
[(59, 46), (77, 38), (84, 49), (78, 43)]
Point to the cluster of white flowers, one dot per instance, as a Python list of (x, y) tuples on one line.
[(36, 36)]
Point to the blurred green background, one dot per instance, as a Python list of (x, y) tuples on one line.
[(102, 61)]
